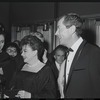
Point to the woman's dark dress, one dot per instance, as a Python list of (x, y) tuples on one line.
[(40, 84)]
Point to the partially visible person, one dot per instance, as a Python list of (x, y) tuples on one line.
[(17, 42), (35, 79), (3, 55), (56, 61), (82, 73), (56, 58), (59, 55), (4, 59), (14, 52), (15, 61), (41, 37), (12, 49)]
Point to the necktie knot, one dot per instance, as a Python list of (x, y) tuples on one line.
[(69, 50)]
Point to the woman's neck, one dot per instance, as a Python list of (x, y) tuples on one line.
[(33, 61)]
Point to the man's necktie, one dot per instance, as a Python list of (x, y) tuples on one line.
[(67, 53)]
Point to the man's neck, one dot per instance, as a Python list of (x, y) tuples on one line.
[(72, 41)]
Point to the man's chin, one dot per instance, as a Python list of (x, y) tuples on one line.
[(25, 60), (62, 43)]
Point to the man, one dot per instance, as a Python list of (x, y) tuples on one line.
[(56, 61), (83, 64), (59, 56), (56, 58)]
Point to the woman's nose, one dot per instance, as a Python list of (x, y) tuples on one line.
[(22, 54)]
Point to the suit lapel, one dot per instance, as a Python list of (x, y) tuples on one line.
[(75, 60)]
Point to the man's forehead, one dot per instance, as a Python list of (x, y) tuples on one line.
[(59, 51), (61, 22)]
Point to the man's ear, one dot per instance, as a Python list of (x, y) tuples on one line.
[(73, 29)]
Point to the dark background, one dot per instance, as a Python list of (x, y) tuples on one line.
[(30, 12)]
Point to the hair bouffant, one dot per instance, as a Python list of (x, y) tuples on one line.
[(34, 43)]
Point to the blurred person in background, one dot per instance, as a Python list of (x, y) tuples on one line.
[(56, 61), (14, 52), (5, 62), (41, 37), (56, 58), (17, 42), (14, 64)]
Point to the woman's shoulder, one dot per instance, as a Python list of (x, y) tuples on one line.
[(46, 69)]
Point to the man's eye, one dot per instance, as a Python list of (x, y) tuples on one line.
[(24, 51)]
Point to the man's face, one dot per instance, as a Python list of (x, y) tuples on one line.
[(59, 56), (63, 32)]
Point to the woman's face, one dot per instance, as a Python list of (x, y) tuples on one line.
[(2, 41), (27, 53), (12, 51)]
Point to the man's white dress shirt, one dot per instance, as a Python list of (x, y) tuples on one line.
[(70, 58)]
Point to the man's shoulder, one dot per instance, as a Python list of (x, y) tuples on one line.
[(93, 46)]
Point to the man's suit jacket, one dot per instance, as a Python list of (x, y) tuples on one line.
[(84, 75)]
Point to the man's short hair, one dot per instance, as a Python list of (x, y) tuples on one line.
[(73, 19)]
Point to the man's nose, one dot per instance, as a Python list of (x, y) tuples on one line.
[(57, 32)]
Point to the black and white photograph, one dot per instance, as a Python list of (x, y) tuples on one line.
[(50, 50)]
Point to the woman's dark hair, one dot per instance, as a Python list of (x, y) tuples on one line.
[(2, 33), (34, 43)]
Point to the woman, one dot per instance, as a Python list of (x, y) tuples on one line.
[(14, 52), (14, 62), (4, 58), (12, 49), (35, 79), (3, 55)]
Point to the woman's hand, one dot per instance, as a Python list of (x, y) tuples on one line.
[(23, 94)]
